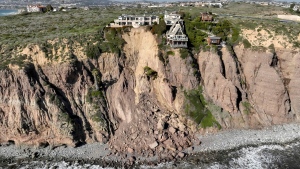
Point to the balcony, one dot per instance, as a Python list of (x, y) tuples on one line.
[(178, 46)]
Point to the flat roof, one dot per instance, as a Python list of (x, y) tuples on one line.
[(214, 37)]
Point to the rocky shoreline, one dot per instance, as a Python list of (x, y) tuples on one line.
[(99, 154)]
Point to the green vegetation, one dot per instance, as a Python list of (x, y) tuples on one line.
[(94, 95), (246, 43), (97, 99), (272, 48), (184, 53), (247, 107), (93, 51), (54, 31), (113, 40), (64, 116), (196, 31), (196, 109), (170, 53), (57, 31), (160, 28), (150, 73)]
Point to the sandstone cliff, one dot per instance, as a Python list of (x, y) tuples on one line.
[(113, 98)]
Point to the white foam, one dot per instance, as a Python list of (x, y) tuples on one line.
[(60, 165), (250, 158)]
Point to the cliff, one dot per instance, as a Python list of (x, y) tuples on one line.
[(139, 99)]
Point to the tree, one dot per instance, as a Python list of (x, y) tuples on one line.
[(292, 6), (49, 8)]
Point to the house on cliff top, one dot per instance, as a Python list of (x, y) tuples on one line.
[(206, 17), (134, 20), (171, 18), (36, 8), (213, 40), (176, 37)]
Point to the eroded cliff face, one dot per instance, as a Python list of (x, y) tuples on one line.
[(79, 100), (252, 87)]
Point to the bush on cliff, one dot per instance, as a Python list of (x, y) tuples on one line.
[(246, 43), (150, 73), (160, 28), (93, 51), (184, 53), (196, 109)]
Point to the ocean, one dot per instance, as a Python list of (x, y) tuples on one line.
[(5, 12), (249, 157)]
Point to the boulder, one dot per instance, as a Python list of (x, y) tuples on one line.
[(153, 145), (180, 155), (172, 130)]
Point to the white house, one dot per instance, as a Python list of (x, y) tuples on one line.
[(171, 18), (35, 8), (175, 36), (134, 20)]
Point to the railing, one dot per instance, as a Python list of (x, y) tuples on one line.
[(178, 39), (179, 46)]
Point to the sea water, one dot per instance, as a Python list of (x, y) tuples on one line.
[(249, 157), (5, 12)]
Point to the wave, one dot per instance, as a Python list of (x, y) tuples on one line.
[(8, 12), (248, 157)]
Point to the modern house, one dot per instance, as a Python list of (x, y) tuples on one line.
[(206, 17), (171, 18), (213, 40), (134, 20), (175, 36), (36, 8)]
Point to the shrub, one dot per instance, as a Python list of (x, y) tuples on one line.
[(150, 73), (235, 35), (184, 53), (170, 53), (93, 51), (196, 108), (160, 28), (272, 48), (94, 95), (247, 107), (246, 43)]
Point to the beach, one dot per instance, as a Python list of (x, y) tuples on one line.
[(99, 156)]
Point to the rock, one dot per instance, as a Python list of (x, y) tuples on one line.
[(164, 137), (155, 132), (168, 142), (153, 145), (130, 150), (190, 149), (160, 125), (134, 136), (170, 145), (172, 130), (131, 159), (197, 142), (180, 154)]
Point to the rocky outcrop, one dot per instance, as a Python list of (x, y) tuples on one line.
[(250, 87), (289, 69), (265, 88), (82, 100), (44, 105), (138, 99)]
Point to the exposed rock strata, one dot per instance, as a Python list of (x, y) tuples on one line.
[(113, 99)]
